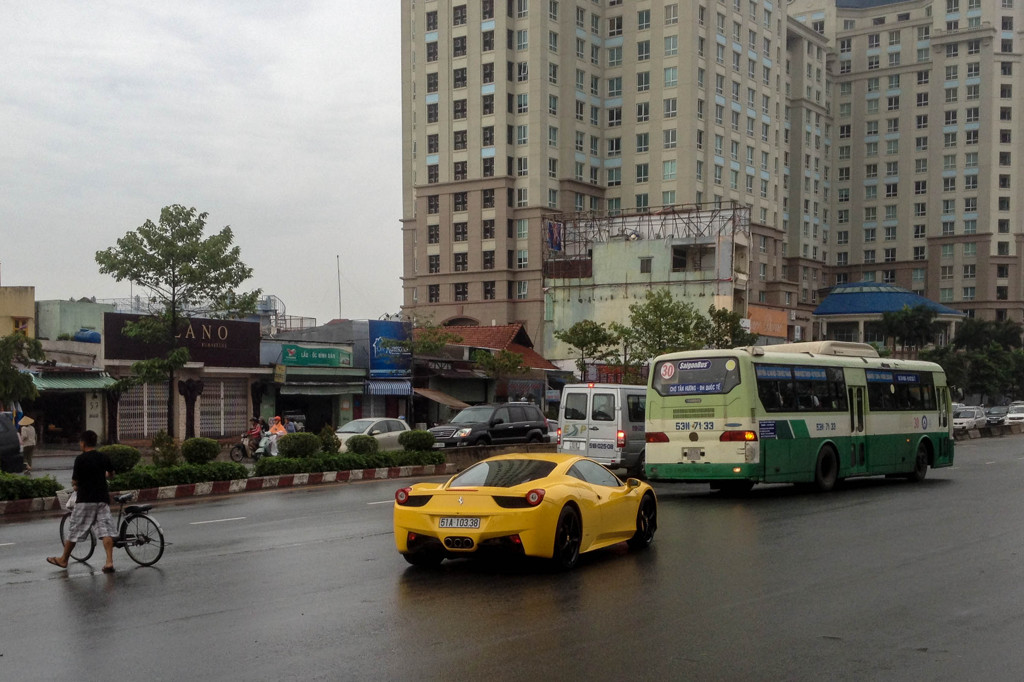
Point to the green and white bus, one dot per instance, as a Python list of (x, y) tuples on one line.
[(814, 412)]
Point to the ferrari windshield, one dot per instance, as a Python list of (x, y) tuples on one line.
[(503, 473)]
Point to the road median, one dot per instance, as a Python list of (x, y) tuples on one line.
[(172, 492)]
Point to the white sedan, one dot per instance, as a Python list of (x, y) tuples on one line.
[(386, 431), (969, 418)]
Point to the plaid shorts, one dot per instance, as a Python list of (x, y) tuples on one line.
[(94, 515)]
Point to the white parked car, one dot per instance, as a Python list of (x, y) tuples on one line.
[(1015, 415), (969, 418), (386, 431)]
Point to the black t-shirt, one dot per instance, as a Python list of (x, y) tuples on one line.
[(90, 473)]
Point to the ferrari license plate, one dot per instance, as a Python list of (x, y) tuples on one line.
[(459, 522)]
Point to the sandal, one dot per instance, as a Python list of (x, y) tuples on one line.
[(55, 561)]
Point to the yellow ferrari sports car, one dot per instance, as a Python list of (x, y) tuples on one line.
[(554, 506)]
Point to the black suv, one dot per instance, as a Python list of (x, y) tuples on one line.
[(487, 424)]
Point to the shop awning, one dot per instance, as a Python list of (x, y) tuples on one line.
[(300, 388), (72, 382), (440, 397), (387, 387)]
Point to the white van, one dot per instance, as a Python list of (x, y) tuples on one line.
[(604, 422)]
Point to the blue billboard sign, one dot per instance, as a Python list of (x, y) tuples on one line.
[(388, 361)]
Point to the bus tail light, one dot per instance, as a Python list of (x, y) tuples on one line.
[(558, 436), (741, 436), (656, 437), (620, 439)]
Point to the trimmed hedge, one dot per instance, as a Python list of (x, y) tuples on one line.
[(122, 457), (279, 466), (329, 441), (362, 445), (155, 477), (299, 444), (417, 439), (19, 487), (200, 450)]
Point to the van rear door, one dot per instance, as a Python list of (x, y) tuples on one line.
[(603, 427), (575, 408)]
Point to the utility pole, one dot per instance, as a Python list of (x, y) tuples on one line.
[(338, 256)]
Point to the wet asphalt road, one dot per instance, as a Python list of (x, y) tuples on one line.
[(880, 580)]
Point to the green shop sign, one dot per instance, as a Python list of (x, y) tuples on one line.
[(299, 356)]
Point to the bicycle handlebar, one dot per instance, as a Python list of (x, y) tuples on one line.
[(124, 497)]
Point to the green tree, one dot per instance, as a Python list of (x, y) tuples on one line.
[(661, 324), (186, 274), (725, 330), (17, 349), (427, 339), (592, 339), (500, 365)]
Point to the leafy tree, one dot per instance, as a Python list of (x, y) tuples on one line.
[(725, 331), (186, 274), (592, 339), (500, 365), (17, 349), (910, 327), (661, 324), (974, 333)]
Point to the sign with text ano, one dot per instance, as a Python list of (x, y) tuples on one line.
[(321, 356)]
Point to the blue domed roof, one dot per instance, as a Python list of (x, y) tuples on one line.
[(875, 298)]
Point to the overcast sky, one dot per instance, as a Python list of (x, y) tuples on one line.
[(280, 119)]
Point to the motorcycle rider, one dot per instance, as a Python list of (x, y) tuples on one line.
[(277, 430), (255, 433)]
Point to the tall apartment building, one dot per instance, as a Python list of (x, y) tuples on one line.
[(926, 147), (515, 110)]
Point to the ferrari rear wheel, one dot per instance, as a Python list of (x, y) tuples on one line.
[(425, 558), (568, 538), (646, 523)]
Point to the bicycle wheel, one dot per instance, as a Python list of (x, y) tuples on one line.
[(84, 548), (143, 539)]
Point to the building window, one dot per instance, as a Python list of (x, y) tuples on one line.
[(488, 229), (461, 291), (522, 289), (460, 232), (434, 293), (433, 264), (488, 260), (678, 258)]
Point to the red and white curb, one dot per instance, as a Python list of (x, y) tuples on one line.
[(170, 492)]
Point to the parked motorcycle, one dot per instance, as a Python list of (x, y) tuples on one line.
[(243, 449)]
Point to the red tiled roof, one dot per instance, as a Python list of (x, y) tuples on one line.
[(502, 337), (531, 358)]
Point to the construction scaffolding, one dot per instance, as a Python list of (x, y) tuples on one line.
[(569, 237)]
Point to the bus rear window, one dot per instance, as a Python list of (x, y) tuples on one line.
[(695, 376)]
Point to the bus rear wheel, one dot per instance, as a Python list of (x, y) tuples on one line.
[(920, 464), (826, 471)]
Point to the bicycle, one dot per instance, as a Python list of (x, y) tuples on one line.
[(137, 532)]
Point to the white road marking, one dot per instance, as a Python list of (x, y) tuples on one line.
[(382, 502), (234, 518), (6, 544)]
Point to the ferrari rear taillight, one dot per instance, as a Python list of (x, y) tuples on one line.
[(620, 439), (558, 436), (402, 495), (535, 496)]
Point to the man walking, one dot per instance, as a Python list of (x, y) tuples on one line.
[(92, 510)]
